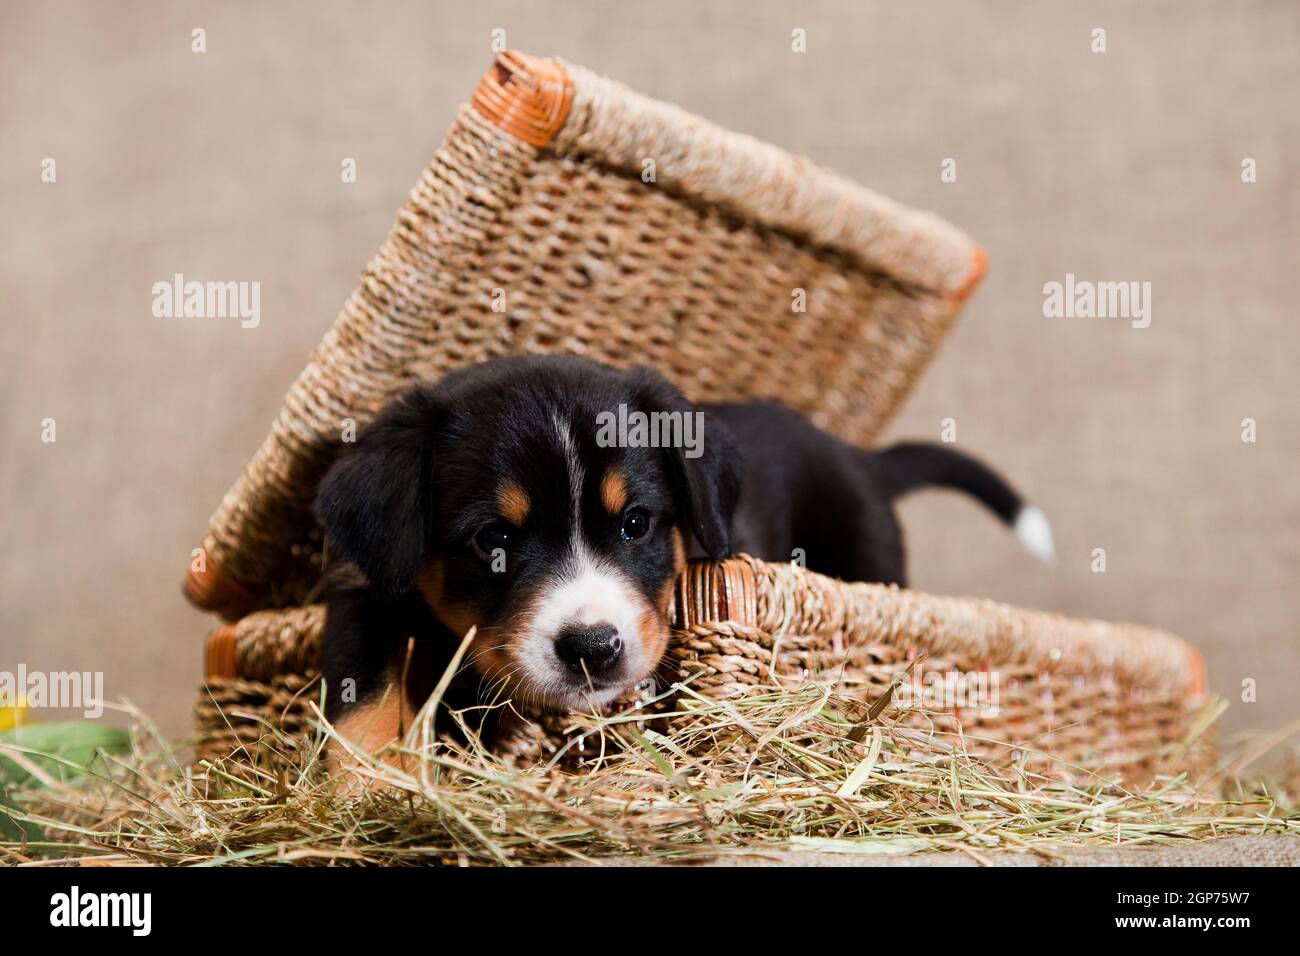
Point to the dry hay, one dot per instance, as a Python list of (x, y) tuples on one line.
[(779, 769)]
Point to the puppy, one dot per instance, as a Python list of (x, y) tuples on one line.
[(551, 502)]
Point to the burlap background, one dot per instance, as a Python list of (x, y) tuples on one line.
[(1116, 166)]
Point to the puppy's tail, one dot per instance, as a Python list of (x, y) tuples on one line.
[(908, 466)]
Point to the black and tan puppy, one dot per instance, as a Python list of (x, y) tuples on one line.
[(550, 502)]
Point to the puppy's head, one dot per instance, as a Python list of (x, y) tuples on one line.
[(545, 501)]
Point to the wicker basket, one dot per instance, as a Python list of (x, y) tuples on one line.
[(567, 213), (1101, 697)]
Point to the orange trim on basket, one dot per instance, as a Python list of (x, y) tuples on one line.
[(1200, 683), (740, 588), (214, 590), (527, 96), (979, 264), (709, 592), (219, 659)]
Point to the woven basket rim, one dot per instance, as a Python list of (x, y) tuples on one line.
[(552, 104), (748, 592)]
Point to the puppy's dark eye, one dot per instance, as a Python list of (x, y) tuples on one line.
[(636, 523), (491, 539)]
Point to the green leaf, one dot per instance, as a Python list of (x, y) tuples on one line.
[(62, 751)]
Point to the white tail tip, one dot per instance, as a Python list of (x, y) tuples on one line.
[(1035, 533)]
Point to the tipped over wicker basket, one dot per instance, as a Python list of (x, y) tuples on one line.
[(565, 213)]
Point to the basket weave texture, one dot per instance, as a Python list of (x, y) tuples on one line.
[(566, 213), (504, 246), (1103, 697)]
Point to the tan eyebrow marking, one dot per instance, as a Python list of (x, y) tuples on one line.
[(613, 491), (513, 503)]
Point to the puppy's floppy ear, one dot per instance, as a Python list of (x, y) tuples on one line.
[(376, 503), (711, 485), (705, 477)]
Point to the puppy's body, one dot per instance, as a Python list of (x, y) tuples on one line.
[(491, 501), (833, 502), (807, 491)]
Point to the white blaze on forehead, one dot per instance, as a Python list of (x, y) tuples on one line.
[(586, 590), (582, 589), (573, 464)]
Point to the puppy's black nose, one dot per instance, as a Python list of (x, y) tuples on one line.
[(598, 646)]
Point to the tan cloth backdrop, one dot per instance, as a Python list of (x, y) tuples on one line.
[(1122, 165)]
